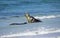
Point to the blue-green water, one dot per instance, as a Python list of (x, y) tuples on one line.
[(19, 7), (46, 10)]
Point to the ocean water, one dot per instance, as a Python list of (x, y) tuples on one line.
[(12, 11)]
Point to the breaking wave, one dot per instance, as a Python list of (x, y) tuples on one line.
[(47, 17), (31, 33)]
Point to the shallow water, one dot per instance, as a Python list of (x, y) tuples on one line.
[(12, 11), (49, 26)]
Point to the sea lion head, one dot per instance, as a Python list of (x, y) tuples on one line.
[(27, 15)]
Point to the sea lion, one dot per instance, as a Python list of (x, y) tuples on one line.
[(31, 19)]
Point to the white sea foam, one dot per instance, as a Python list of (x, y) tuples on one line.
[(30, 33), (47, 17)]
